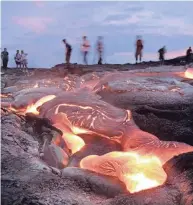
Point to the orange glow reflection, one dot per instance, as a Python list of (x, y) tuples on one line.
[(189, 73)]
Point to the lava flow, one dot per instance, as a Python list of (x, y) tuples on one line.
[(74, 142), (139, 163), (189, 73), (33, 108), (137, 172)]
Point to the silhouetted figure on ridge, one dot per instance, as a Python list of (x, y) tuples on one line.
[(188, 55), (5, 58), (139, 48), (100, 49), (68, 51), (162, 52), (85, 49)]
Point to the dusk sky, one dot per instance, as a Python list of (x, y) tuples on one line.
[(38, 27)]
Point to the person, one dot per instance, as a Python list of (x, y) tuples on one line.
[(68, 51), (5, 58), (188, 55), (17, 59), (24, 61), (162, 52), (100, 49), (139, 48), (85, 49)]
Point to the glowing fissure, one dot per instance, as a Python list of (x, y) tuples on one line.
[(33, 108), (90, 108)]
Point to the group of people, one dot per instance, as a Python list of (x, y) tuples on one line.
[(85, 47), (162, 52), (20, 59)]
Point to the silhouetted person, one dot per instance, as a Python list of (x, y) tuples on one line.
[(162, 52), (18, 59), (139, 48), (188, 55), (5, 58), (85, 49), (100, 49), (68, 51)]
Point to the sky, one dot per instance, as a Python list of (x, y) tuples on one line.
[(38, 27)]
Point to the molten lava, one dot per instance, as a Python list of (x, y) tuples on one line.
[(33, 108), (5, 95), (74, 142), (189, 73), (36, 85), (137, 172)]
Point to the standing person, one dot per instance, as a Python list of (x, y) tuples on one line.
[(68, 51), (24, 61), (100, 49), (139, 48), (188, 55), (162, 52), (85, 49), (5, 58), (17, 59)]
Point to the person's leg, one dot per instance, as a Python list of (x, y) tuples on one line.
[(5, 61), (86, 58), (83, 57), (26, 69), (68, 58), (100, 61), (100, 58), (140, 56), (22, 65), (136, 56)]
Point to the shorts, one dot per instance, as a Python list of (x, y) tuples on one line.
[(17, 62), (24, 62)]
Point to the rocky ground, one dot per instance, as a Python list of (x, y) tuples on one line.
[(165, 110)]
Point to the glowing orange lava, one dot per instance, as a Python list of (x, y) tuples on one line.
[(74, 142), (5, 95), (189, 73), (33, 108), (137, 172), (36, 85)]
